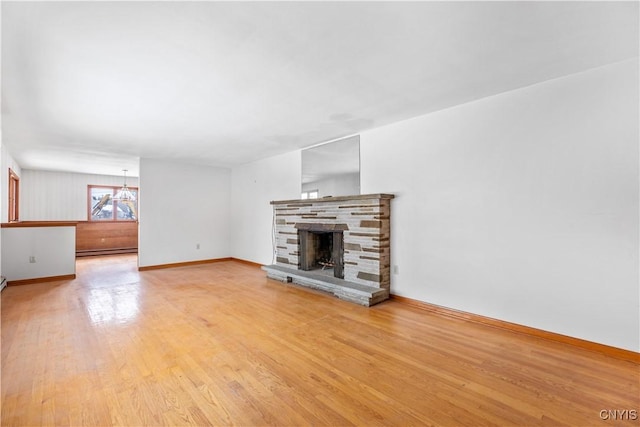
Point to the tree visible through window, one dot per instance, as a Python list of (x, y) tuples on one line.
[(103, 207)]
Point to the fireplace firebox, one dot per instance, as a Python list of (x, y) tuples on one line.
[(322, 250)]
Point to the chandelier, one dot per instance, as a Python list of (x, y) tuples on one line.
[(124, 194)]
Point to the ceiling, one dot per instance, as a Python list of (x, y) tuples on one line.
[(93, 86)]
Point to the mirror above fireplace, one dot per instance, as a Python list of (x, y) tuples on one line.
[(331, 169)]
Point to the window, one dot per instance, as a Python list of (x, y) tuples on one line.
[(14, 196), (102, 206), (313, 194)]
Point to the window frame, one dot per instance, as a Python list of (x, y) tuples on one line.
[(307, 195), (115, 189), (14, 197)]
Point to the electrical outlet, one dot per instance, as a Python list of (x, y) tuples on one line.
[(395, 269), (32, 259), (197, 245)]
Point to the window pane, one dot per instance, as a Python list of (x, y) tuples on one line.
[(101, 204), (127, 210)]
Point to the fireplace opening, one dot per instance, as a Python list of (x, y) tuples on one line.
[(322, 251)]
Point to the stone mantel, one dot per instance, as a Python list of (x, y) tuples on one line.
[(364, 222), (334, 199)]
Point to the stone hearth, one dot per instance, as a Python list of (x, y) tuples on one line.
[(358, 229)]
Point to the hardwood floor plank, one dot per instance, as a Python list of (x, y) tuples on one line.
[(219, 344)]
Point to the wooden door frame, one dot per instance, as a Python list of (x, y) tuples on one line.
[(14, 197)]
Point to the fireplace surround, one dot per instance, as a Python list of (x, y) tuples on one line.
[(339, 245)]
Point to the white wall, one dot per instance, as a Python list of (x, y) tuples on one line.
[(181, 206), (522, 206), (60, 196), (2, 194), (6, 162), (254, 186), (54, 249)]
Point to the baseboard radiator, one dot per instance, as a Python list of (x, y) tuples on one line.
[(94, 252)]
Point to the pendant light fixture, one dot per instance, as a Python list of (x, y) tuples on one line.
[(124, 194)]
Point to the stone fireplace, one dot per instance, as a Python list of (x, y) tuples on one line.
[(336, 244)]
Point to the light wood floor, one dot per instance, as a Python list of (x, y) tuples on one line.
[(219, 344)]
